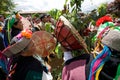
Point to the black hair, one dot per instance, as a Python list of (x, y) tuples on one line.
[(42, 16), (34, 29), (48, 15)]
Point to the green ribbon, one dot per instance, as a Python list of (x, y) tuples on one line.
[(11, 21), (117, 28), (117, 77), (102, 27)]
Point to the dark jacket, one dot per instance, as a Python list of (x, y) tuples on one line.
[(27, 68), (110, 68)]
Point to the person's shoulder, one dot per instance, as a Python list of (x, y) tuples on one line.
[(84, 56), (87, 57), (37, 66), (30, 63)]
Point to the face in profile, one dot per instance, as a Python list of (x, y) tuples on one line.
[(19, 25)]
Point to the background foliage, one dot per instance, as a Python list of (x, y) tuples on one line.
[(6, 6)]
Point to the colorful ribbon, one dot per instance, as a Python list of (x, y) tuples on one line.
[(98, 63)]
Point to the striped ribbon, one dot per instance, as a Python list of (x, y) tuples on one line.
[(98, 63)]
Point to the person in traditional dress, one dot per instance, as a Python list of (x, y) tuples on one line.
[(105, 65), (13, 26), (29, 48), (75, 67)]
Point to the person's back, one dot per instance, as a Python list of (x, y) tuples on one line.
[(77, 68), (110, 68), (106, 65), (27, 68)]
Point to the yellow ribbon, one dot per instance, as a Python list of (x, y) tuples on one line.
[(0, 28), (98, 72)]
